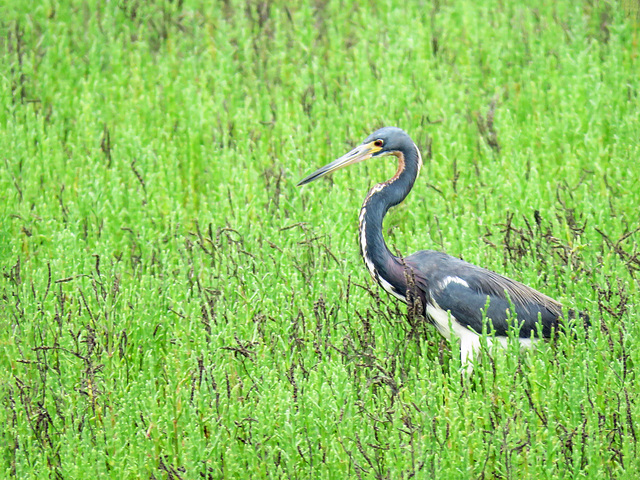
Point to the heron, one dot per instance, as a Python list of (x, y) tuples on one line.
[(457, 297)]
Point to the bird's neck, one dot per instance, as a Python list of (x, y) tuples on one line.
[(386, 268)]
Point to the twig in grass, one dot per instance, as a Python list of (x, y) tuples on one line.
[(486, 127), (140, 179), (105, 144)]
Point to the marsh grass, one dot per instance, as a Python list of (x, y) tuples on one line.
[(173, 307)]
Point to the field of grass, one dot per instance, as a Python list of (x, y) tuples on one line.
[(172, 306)]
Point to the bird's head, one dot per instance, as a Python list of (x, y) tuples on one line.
[(386, 141)]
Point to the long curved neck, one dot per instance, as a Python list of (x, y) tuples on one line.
[(386, 268)]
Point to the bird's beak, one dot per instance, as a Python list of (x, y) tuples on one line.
[(358, 154)]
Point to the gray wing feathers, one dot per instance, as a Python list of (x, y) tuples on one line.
[(472, 294)]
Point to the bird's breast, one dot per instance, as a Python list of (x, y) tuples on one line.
[(379, 275)]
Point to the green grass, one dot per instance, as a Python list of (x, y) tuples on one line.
[(172, 306)]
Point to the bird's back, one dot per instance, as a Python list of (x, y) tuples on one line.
[(473, 295)]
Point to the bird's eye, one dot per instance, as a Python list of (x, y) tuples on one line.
[(378, 143)]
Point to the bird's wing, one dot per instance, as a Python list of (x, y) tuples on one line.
[(472, 294)]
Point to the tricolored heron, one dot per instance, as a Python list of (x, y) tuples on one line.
[(456, 296)]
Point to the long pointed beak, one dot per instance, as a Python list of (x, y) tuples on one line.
[(358, 154)]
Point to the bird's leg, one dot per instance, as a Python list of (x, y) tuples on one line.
[(469, 346)]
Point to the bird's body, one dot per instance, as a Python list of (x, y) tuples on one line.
[(459, 298)]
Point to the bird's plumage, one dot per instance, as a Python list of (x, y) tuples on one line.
[(459, 298), (471, 293)]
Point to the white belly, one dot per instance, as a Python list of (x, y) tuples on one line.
[(448, 325)]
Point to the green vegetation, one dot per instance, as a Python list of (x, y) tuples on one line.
[(172, 306)]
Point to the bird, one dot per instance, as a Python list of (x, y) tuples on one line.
[(459, 298)]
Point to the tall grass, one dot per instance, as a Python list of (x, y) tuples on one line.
[(171, 306)]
